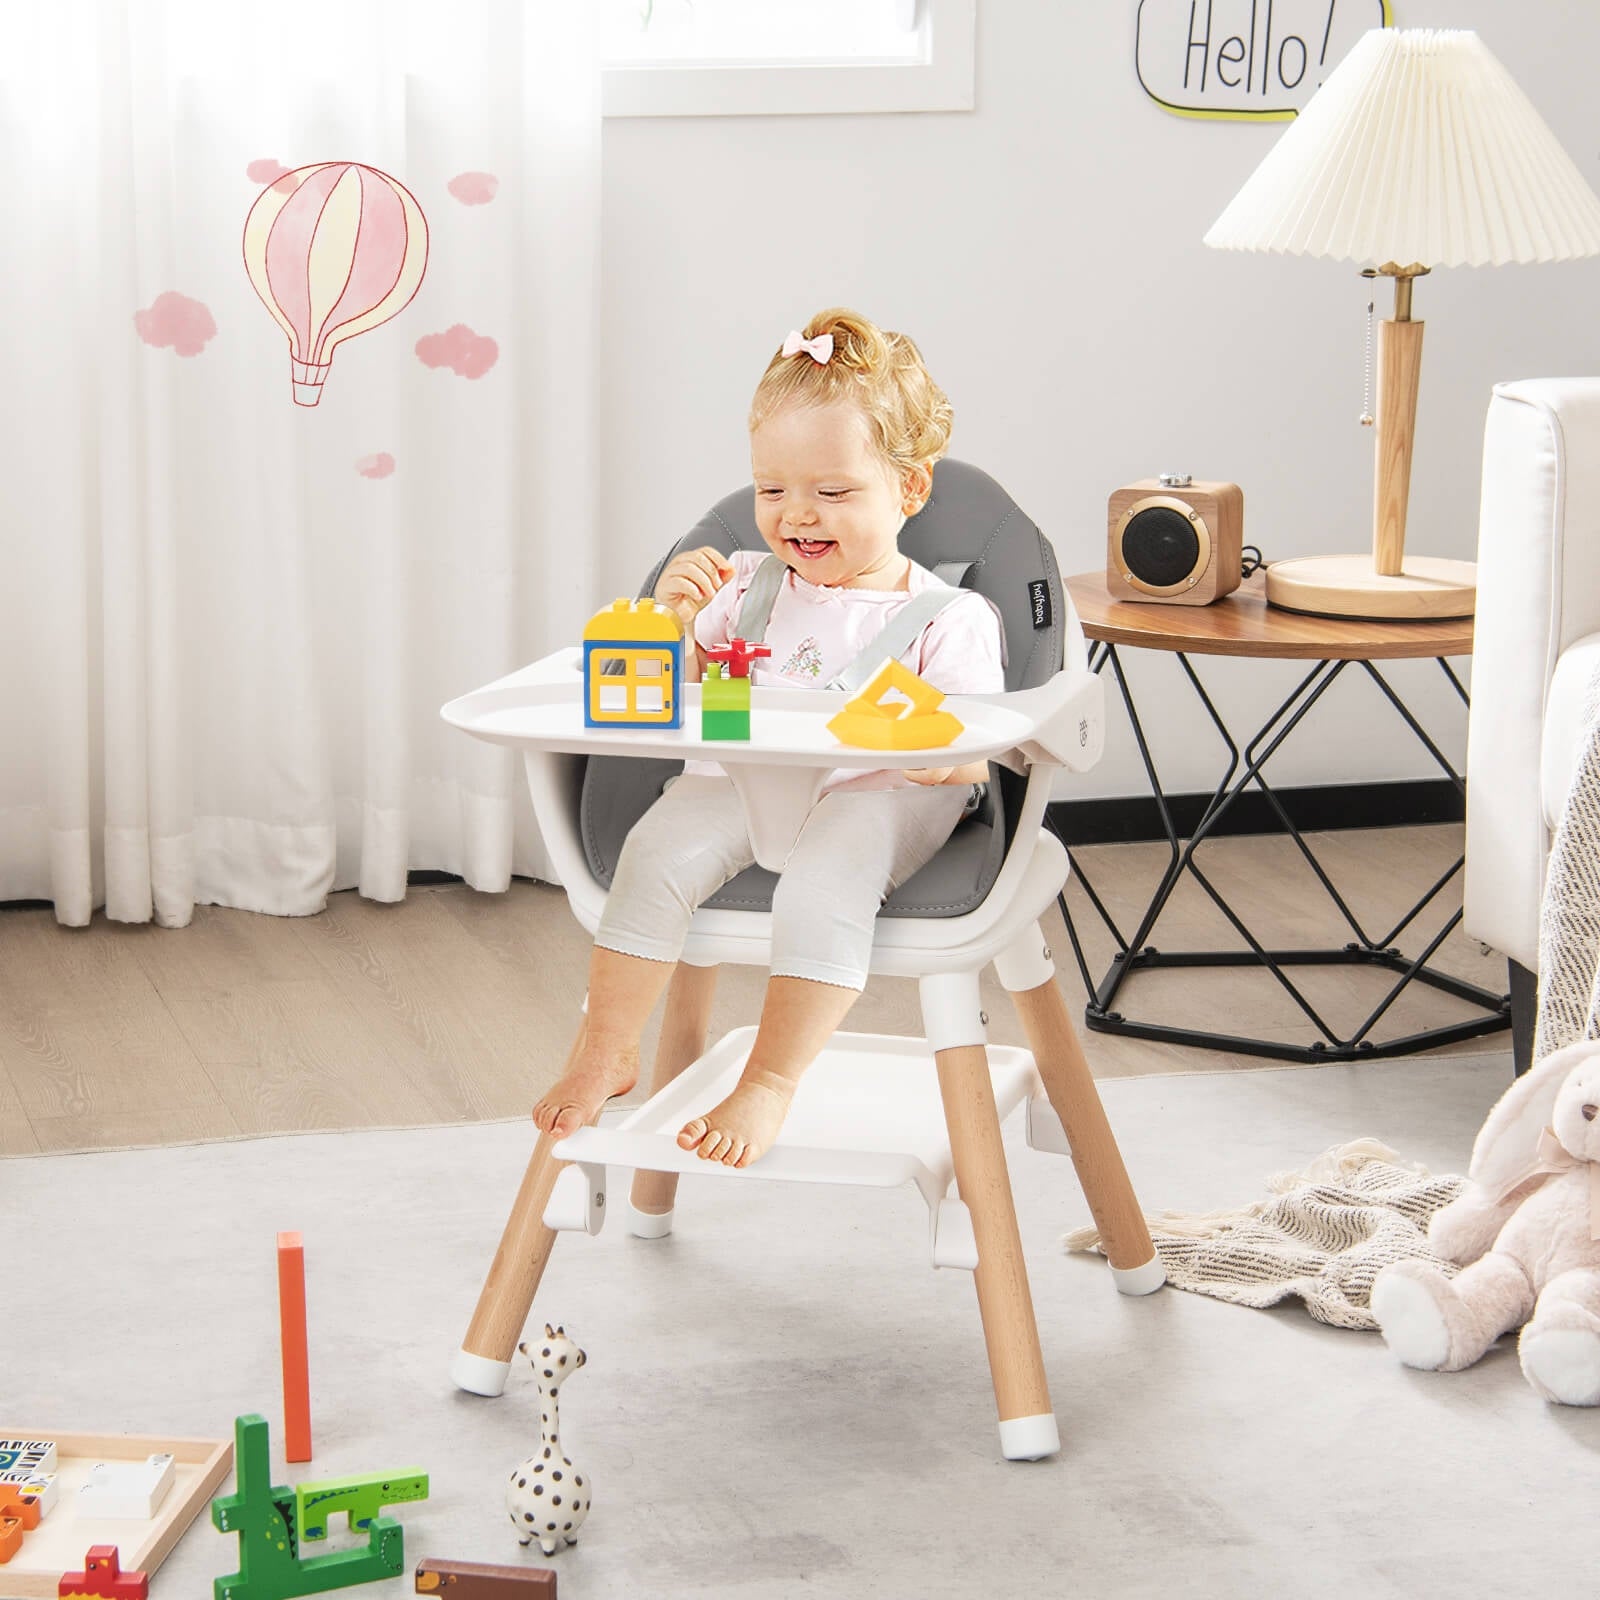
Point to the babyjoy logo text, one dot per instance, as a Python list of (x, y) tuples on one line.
[(1246, 60)]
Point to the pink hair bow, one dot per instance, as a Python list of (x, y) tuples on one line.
[(819, 349)]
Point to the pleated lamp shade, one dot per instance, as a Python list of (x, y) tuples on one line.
[(1419, 148)]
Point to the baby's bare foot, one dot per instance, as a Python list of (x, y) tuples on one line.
[(575, 1101), (743, 1128)]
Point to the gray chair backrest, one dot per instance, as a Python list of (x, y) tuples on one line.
[(969, 522)]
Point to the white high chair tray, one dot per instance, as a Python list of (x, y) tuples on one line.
[(868, 1111), (541, 707)]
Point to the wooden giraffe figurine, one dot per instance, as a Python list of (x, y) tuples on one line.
[(546, 1498)]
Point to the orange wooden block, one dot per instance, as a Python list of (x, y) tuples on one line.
[(102, 1578), (21, 1505), (292, 1325), (10, 1537)]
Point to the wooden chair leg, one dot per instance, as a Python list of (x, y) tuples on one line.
[(483, 1362), (685, 1021), (507, 1295), (1071, 1089), (1022, 1396)]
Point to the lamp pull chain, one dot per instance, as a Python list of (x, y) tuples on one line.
[(1366, 376)]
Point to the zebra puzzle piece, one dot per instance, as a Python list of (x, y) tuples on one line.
[(27, 1455), (263, 1515)]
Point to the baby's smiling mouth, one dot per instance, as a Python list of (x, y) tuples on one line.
[(812, 548)]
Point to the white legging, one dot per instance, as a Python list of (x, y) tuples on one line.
[(854, 849)]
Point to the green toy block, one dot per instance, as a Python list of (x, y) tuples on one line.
[(724, 724), (360, 1495), (724, 705), (263, 1515)]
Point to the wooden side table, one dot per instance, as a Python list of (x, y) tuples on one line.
[(1244, 625)]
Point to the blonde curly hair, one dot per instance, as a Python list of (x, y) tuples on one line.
[(908, 414)]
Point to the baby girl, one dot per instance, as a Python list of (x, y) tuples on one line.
[(845, 428)]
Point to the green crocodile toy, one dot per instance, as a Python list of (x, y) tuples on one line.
[(263, 1514), (360, 1495)]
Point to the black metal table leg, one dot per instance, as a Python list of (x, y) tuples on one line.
[(1135, 954)]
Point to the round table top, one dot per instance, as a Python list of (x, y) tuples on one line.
[(1243, 624)]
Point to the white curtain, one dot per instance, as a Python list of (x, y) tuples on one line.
[(227, 621)]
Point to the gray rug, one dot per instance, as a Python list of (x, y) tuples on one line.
[(784, 1399)]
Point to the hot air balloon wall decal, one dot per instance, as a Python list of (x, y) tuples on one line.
[(333, 249)]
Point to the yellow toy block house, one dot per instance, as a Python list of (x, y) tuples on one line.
[(632, 666)]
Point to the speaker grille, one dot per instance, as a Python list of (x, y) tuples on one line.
[(1160, 546)]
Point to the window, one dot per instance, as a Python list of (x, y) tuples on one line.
[(754, 57)]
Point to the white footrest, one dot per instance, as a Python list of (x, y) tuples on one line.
[(868, 1112)]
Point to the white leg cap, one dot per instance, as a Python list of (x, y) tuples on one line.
[(648, 1224), (479, 1374), (1029, 1438), (1140, 1280)]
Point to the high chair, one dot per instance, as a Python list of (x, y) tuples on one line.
[(871, 1111)]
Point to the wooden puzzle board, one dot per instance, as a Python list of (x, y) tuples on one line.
[(58, 1544)]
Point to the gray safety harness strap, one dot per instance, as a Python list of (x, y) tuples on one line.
[(898, 635)]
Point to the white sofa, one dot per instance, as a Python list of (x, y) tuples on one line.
[(1536, 646)]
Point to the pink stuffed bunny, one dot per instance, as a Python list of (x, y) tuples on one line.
[(1527, 1232)]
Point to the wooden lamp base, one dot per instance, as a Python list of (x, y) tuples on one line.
[(1349, 586)]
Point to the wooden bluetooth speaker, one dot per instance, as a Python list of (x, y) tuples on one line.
[(1174, 542)]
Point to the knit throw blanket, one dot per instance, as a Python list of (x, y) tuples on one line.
[(1324, 1237), (1569, 915)]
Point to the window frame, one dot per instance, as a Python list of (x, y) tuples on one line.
[(942, 81)]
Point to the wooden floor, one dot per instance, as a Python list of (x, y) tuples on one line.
[(455, 1005)]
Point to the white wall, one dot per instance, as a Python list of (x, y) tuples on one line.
[(1045, 252)]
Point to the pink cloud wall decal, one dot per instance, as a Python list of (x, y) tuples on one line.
[(467, 354), (474, 188), (176, 320), (378, 466)]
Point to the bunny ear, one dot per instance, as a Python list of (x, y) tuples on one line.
[(1507, 1143)]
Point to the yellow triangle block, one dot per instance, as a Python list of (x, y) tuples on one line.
[(874, 722)]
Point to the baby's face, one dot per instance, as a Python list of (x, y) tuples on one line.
[(827, 502)]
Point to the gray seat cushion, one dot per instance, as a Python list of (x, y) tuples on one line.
[(969, 520)]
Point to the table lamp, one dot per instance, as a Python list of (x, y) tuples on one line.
[(1418, 149)]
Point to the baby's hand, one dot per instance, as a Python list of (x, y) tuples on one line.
[(689, 582), (970, 772)]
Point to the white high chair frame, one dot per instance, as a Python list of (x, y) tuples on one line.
[(1038, 730)]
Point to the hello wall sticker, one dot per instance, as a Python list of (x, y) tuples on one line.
[(1246, 60)]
